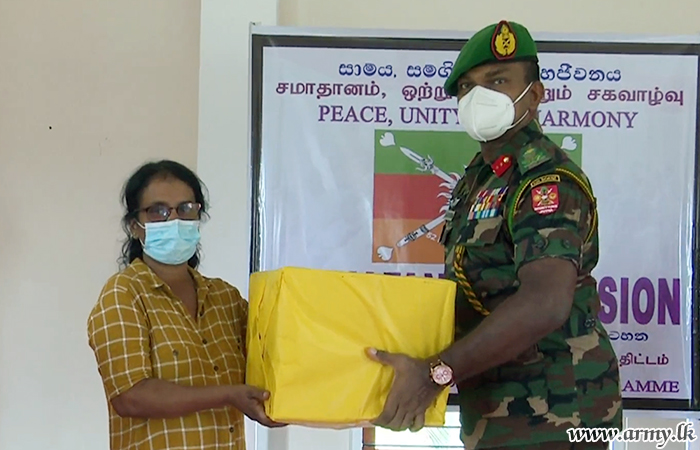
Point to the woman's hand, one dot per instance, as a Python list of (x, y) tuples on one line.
[(250, 401)]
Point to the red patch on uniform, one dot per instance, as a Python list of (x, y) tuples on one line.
[(545, 199), (501, 165)]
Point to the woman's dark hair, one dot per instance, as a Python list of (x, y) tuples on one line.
[(131, 199)]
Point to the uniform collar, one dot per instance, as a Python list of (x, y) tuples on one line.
[(508, 153)]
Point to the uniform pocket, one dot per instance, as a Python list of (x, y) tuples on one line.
[(482, 232), (476, 244)]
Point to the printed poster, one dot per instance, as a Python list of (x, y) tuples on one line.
[(359, 149)]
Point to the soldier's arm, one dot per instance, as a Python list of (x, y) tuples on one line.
[(547, 255)]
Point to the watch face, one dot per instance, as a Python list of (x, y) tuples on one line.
[(442, 375)]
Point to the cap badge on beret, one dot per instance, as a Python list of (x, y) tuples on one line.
[(503, 43)]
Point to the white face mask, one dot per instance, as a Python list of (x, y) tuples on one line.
[(487, 114)]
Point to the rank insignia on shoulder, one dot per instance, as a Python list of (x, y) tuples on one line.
[(531, 157), (545, 198)]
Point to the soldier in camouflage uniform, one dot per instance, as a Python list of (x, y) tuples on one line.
[(531, 358)]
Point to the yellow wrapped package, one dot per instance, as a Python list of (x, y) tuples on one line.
[(308, 331)]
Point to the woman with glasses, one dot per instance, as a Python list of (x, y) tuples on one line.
[(170, 342)]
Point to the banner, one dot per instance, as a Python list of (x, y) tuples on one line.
[(356, 148)]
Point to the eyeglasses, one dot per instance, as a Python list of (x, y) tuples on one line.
[(160, 212)]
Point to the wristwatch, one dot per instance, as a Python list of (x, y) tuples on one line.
[(441, 373)]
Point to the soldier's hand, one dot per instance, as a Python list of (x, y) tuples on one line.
[(412, 392)]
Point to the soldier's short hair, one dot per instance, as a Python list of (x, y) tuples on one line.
[(532, 71)]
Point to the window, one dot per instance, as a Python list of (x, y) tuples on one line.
[(442, 438)]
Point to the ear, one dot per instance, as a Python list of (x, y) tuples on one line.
[(135, 231), (537, 93)]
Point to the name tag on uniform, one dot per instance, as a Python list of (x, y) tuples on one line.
[(488, 203)]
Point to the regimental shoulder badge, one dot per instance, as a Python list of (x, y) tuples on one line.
[(503, 43), (551, 178), (545, 199)]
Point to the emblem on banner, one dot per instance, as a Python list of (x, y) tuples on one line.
[(545, 199), (413, 194), (487, 204)]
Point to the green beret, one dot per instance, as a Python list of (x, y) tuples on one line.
[(501, 42)]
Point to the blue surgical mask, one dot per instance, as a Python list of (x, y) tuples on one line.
[(171, 242)]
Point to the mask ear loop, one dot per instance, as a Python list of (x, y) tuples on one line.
[(520, 97), (136, 237)]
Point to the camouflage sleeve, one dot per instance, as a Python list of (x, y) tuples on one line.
[(552, 219)]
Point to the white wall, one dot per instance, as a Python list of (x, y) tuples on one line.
[(222, 160), (120, 82), (591, 16), (89, 89)]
